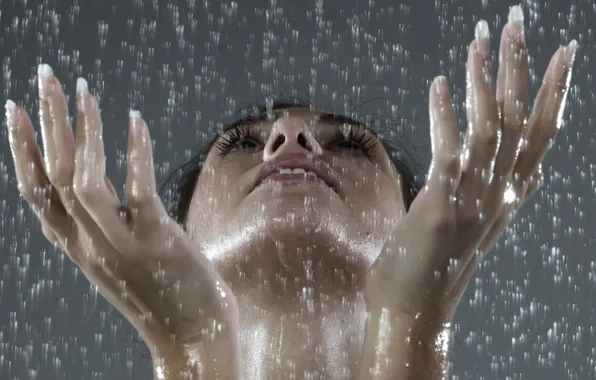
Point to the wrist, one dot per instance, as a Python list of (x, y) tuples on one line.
[(405, 346), (175, 363), (213, 357)]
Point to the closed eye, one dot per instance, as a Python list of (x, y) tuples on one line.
[(240, 136)]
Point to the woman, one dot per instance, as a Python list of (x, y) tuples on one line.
[(313, 273)]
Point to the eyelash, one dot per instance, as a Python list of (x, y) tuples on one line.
[(243, 132)]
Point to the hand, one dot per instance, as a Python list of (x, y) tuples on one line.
[(141, 260), (468, 198)]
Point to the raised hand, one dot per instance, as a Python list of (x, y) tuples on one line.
[(141, 260), (470, 192)]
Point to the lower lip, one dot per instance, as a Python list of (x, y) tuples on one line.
[(291, 179)]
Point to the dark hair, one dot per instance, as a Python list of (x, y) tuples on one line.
[(178, 188)]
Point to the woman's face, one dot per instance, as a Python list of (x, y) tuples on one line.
[(300, 224)]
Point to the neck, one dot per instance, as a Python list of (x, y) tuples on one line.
[(296, 322), (320, 335)]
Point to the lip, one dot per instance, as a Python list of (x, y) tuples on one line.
[(298, 160)]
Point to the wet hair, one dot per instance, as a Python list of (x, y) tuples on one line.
[(178, 188)]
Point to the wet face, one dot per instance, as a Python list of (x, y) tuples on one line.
[(337, 219)]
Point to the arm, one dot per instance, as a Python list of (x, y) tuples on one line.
[(398, 346)]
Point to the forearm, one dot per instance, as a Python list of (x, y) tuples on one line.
[(399, 347)]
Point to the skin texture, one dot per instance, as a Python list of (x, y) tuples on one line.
[(296, 279)]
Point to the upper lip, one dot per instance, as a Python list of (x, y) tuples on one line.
[(299, 160)]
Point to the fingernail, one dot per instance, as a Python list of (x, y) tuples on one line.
[(134, 114), (82, 87), (571, 49), (82, 93), (482, 35), (516, 24), (44, 76), (441, 86), (11, 113), (516, 14), (135, 126)]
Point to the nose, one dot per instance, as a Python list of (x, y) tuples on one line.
[(290, 135)]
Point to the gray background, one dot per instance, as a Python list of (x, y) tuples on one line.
[(185, 64)]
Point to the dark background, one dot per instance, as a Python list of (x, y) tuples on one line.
[(187, 65)]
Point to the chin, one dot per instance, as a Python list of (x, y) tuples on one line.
[(304, 200), (294, 212), (313, 238)]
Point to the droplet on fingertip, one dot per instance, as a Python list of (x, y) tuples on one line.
[(82, 86), (573, 44)]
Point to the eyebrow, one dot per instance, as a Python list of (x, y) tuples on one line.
[(325, 117)]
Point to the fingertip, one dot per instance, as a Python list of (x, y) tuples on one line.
[(482, 30), (82, 86), (136, 128), (10, 105), (441, 86), (44, 70), (141, 177), (134, 114), (11, 113), (516, 14)]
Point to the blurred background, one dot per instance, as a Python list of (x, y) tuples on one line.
[(189, 65)]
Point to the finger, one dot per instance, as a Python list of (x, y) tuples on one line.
[(57, 225), (545, 120), (484, 128), (57, 134), (60, 159), (90, 182), (82, 93), (32, 180), (60, 148), (445, 169), (141, 194), (513, 99)]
